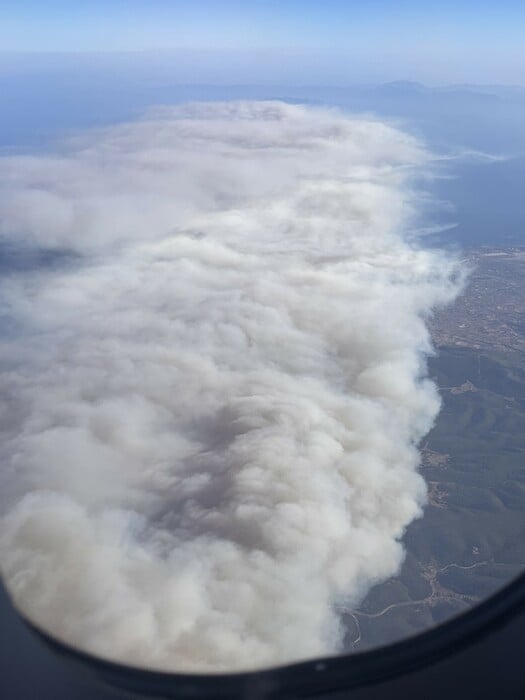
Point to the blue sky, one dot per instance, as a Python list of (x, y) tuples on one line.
[(235, 24), (466, 41)]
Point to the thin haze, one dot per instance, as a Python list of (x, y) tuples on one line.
[(211, 417), (303, 41)]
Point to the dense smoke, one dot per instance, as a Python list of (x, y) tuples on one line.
[(211, 409)]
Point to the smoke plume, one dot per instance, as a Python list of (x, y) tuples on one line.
[(214, 386)]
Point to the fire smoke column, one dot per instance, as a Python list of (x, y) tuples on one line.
[(211, 405)]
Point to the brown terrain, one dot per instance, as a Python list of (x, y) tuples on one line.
[(490, 313)]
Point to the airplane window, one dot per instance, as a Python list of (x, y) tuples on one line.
[(261, 341)]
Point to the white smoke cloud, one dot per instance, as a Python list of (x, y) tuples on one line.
[(210, 423)]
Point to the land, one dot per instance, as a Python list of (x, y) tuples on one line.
[(489, 315), (471, 539)]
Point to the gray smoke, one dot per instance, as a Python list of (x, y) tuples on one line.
[(210, 424)]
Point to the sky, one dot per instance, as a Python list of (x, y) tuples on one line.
[(433, 42)]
